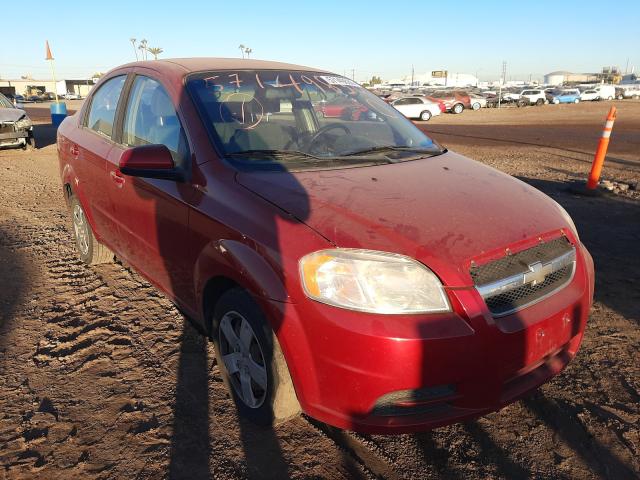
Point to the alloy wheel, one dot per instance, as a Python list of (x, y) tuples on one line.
[(81, 229), (243, 359)]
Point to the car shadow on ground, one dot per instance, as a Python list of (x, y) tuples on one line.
[(14, 283), (44, 134)]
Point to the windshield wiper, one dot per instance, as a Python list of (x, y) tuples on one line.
[(272, 153), (393, 148), (306, 157)]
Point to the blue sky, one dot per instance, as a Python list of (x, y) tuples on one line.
[(381, 38)]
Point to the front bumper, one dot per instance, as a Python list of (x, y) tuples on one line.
[(10, 136), (344, 364)]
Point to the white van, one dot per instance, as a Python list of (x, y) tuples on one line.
[(607, 92)]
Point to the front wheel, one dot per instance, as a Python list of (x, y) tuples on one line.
[(425, 116), (556, 101), (252, 364), (476, 106), (577, 100), (609, 97), (91, 251), (457, 108), (539, 102)]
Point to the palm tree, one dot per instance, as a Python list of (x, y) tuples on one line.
[(143, 47), (248, 51), (155, 51), (241, 47), (133, 42)]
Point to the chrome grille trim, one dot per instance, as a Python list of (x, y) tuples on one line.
[(536, 277)]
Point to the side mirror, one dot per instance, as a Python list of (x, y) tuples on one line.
[(150, 161)]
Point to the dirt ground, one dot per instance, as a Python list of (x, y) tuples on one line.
[(101, 377)]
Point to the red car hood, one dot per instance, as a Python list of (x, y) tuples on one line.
[(443, 211)]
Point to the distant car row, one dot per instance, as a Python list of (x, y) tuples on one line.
[(43, 97), (427, 105)]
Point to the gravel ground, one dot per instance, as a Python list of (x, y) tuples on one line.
[(100, 377)]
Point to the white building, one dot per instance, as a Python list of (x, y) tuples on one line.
[(30, 86)]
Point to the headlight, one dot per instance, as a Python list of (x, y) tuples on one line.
[(569, 220), (371, 281), (23, 123)]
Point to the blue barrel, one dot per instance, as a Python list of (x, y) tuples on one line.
[(58, 112)]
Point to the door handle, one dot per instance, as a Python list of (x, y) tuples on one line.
[(117, 178)]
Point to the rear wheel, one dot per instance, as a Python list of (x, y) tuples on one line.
[(457, 108), (425, 116), (476, 106), (577, 100), (556, 101), (539, 102), (609, 97), (251, 361), (91, 251), (620, 97)]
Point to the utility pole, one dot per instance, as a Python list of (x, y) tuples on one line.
[(626, 69), (502, 80), (353, 74), (412, 72)]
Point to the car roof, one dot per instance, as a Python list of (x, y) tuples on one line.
[(199, 64)]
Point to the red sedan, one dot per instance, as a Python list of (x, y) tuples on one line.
[(351, 269)]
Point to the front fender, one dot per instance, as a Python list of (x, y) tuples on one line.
[(242, 264)]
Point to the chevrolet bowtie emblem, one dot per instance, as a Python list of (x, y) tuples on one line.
[(537, 273)]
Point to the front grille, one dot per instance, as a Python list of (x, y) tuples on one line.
[(521, 279)]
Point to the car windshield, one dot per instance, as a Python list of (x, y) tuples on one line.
[(316, 120), (4, 102)]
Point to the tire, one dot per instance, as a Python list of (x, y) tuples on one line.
[(425, 116), (270, 397), (577, 100), (539, 102), (91, 251), (457, 108), (476, 106), (609, 97), (556, 101), (620, 97)]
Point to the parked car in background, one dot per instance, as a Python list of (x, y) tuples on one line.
[(533, 97), (49, 96), (344, 108), (510, 95), (71, 96), (566, 96), (16, 98), (455, 101), (417, 107), (477, 101), (627, 91), (353, 270), (607, 92), (16, 129), (589, 96), (35, 98)]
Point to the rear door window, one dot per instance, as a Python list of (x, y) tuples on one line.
[(151, 118), (103, 107)]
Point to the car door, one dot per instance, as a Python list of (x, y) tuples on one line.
[(152, 214), (90, 146), (415, 107)]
